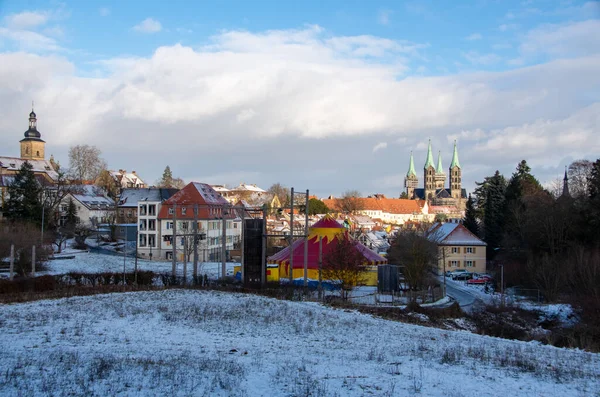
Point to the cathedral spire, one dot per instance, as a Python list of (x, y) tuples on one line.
[(565, 191), (455, 162), (439, 169), (429, 160), (411, 166)]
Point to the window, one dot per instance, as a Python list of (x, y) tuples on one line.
[(183, 210), (168, 239), (469, 263), (454, 263), (456, 250), (469, 250), (171, 211), (121, 212), (152, 209), (151, 224), (152, 240), (169, 225), (37, 153), (143, 209), (64, 208), (184, 225), (129, 213), (142, 240), (143, 225)]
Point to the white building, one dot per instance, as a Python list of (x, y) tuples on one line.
[(93, 205)]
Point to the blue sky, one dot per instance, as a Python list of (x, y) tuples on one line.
[(323, 82)]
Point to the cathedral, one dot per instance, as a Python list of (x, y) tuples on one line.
[(434, 182)]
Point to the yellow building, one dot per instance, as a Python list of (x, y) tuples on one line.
[(458, 247)]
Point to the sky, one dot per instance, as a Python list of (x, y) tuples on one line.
[(326, 96)]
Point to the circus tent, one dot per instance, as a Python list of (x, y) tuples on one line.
[(328, 230)]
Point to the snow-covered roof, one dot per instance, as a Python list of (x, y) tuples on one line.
[(248, 187), (39, 166), (452, 233), (93, 197), (220, 189), (130, 197), (128, 179)]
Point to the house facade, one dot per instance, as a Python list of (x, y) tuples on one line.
[(458, 248), (93, 206), (196, 212), (390, 210)]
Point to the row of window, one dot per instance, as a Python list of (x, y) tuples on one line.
[(466, 263), (147, 240), (465, 250), (150, 224)]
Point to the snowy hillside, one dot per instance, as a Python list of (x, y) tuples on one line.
[(182, 342)]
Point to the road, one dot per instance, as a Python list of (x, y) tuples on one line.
[(467, 300)]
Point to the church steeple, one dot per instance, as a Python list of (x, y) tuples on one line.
[(455, 176), (565, 192), (429, 159), (429, 173), (411, 166), (411, 181), (455, 162), (32, 146), (440, 175)]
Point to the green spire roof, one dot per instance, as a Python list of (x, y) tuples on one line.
[(429, 160), (455, 162), (439, 169), (411, 166)]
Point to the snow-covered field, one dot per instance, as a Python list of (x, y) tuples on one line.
[(202, 343)]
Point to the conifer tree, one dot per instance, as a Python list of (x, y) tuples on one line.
[(470, 219), (71, 215), (167, 178), (24, 203), (494, 213)]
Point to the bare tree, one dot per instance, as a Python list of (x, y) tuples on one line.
[(85, 162), (344, 264), (416, 254), (350, 202), (282, 192), (107, 182), (579, 173)]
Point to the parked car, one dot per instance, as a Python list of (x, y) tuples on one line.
[(459, 274), (480, 279)]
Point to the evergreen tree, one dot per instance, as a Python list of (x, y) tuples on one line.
[(316, 206), (167, 178), (593, 207), (494, 213), (24, 195), (521, 183), (470, 219), (71, 216)]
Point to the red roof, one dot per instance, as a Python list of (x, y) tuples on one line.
[(389, 205), (210, 203)]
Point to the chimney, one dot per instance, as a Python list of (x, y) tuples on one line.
[(133, 172)]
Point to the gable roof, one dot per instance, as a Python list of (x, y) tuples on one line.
[(130, 196), (210, 203), (92, 197), (452, 233)]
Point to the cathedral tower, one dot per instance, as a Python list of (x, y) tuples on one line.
[(32, 146), (455, 176), (411, 181), (429, 172)]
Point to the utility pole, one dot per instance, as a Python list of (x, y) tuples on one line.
[(291, 237), (12, 261), (263, 257), (185, 248), (320, 267), (137, 240), (195, 242), (174, 242), (306, 241), (33, 261), (502, 284), (224, 244), (242, 242), (125, 252)]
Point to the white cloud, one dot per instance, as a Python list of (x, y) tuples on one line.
[(379, 146), (104, 11), (507, 26), (26, 19), (148, 25), (383, 17), (30, 41), (298, 95), (569, 39), (474, 36)]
